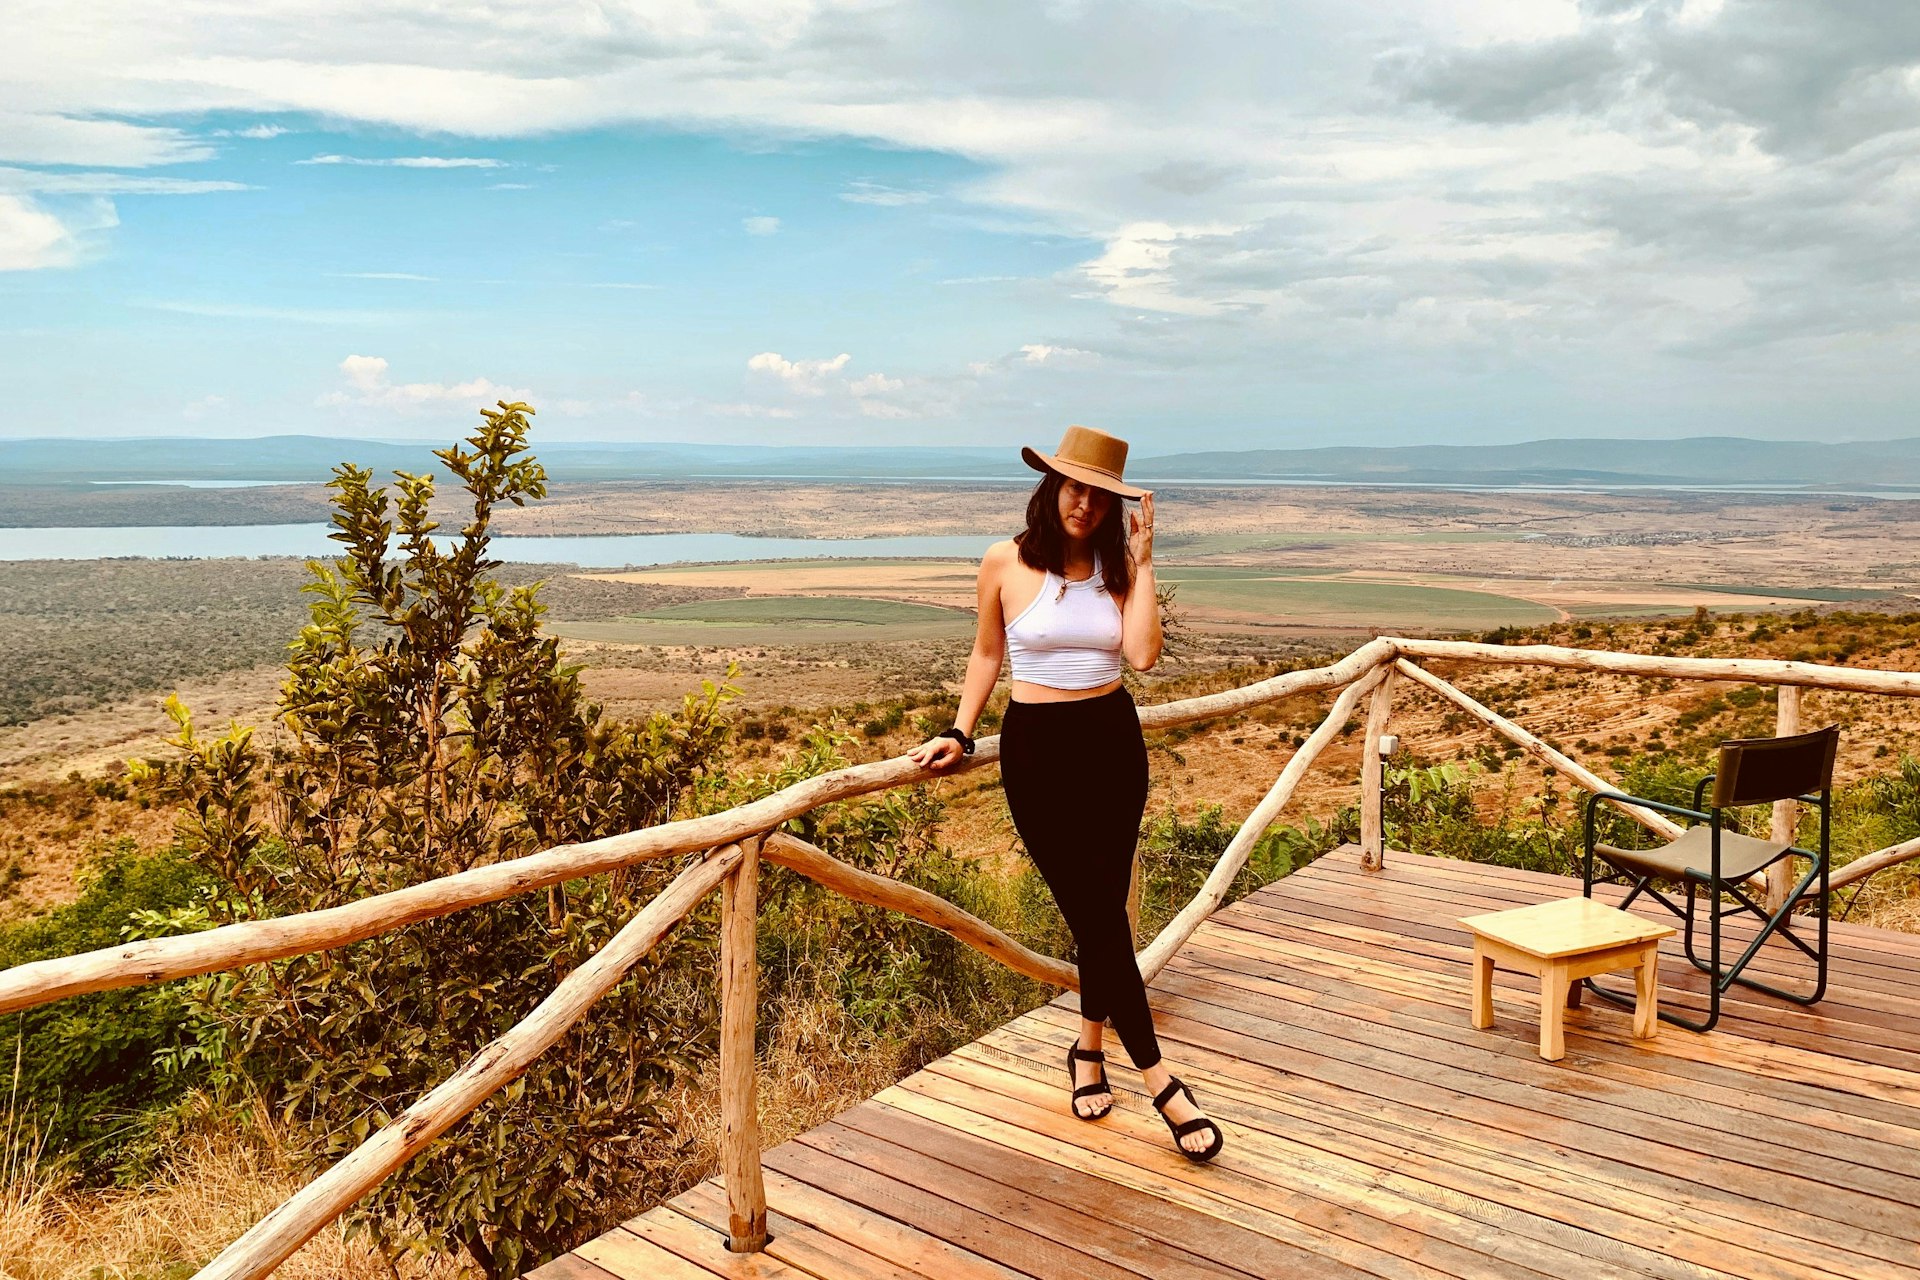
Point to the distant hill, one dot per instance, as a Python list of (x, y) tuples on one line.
[(1586, 462), (1599, 462)]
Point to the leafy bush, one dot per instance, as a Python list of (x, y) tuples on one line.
[(89, 1068), (434, 728)]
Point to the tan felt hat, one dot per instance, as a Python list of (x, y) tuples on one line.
[(1089, 456)]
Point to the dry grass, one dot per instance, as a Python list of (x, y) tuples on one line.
[(820, 1062), (218, 1183)]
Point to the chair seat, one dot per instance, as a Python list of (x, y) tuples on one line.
[(1740, 856)]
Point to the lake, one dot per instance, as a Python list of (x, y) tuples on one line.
[(207, 542)]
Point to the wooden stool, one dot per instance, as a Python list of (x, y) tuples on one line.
[(1562, 942)]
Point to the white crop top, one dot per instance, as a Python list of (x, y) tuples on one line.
[(1067, 639)]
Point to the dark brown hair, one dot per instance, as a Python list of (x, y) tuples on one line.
[(1043, 544)]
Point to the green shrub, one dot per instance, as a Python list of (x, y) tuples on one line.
[(89, 1069), (434, 728)]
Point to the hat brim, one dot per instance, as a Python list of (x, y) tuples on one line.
[(1073, 470)]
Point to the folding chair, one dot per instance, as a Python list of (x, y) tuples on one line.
[(1717, 861)]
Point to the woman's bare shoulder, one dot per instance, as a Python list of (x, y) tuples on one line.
[(999, 555)]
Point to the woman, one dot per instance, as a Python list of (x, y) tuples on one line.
[(1078, 586)]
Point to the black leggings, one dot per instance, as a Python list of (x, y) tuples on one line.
[(1076, 780)]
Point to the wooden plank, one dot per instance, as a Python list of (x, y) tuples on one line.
[(998, 1237), (1324, 1021), (1760, 1057), (791, 1241), (1856, 1194), (892, 1241), (1436, 1012), (625, 1253), (1648, 1225), (1457, 1070), (1462, 1233), (1469, 1145), (1887, 1039), (1887, 1067), (1099, 1219), (1282, 1213), (1875, 950), (1678, 1105), (573, 1267), (1429, 868), (1420, 907), (1859, 991), (1449, 974)]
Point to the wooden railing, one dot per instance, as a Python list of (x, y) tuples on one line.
[(731, 846)]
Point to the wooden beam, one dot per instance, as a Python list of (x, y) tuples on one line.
[(275, 1237), (1165, 715), (931, 909), (1865, 865), (256, 941), (739, 1098), (1786, 813), (1535, 747), (1373, 774), (1220, 879), (1751, 670)]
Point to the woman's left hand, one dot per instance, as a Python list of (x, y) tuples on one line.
[(1140, 530)]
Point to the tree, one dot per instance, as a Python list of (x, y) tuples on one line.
[(433, 727)]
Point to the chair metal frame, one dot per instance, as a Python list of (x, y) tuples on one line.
[(1729, 794)]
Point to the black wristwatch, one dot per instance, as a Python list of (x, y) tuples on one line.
[(959, 735)]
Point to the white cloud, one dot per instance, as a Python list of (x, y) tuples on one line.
[(30, 136), (1042, 353), (31, 238), (365, 373), (410, 162), (761, 226), (874, 384), (824, 384), (746, 409), (806, 377), (863, 192), (41, 182), (204, 406), (509, 186), (387, 275), (368, 387), (1558, 187), (253, 311)]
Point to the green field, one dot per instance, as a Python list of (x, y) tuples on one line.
[(960, 566), (1213, 544), (1237, 573), (1823, 594), (796, 611), (774, 619), (1390, 606)]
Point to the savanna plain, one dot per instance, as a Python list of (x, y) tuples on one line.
[(142, 1136)]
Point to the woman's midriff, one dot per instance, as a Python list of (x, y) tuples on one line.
[(1027, 691)]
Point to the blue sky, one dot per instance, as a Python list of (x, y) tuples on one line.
[(1205, 225)]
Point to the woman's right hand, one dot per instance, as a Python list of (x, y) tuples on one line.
[(936, 753)]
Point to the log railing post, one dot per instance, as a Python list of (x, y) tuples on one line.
[(739, 1098), (1373, 776), (1786, 813)]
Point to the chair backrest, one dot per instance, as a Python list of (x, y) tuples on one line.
[(1756, 770)]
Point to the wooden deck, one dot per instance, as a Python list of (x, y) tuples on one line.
[(1370, 1131)]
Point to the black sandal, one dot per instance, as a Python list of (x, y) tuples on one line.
[(1087, 1090), (1186, 1127)]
